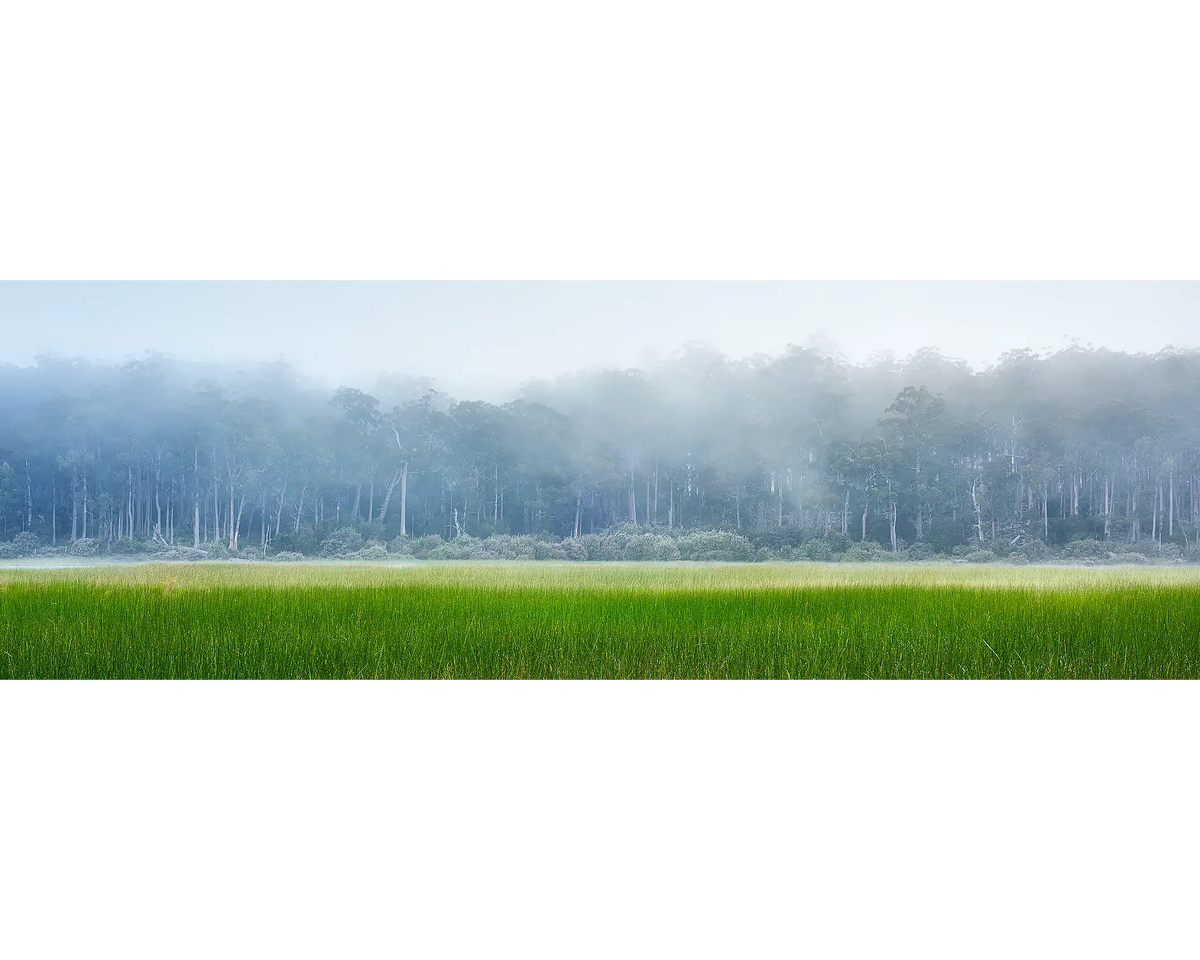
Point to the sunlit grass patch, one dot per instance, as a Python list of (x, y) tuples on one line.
[(636, 620)]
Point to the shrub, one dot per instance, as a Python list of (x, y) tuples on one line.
[(574, 550), (593, 546), (866, 552), (1084, 550), (342, 542), (374, 550), (944, 537), (127, 548), (920, 551), (303, 540), (287, 556), (26, 543), (715, 545), (401, 546), (8, 551), (85, 548), (546, 551), (980, 556), (651, 546), (818, 550), (1031, 550), (423, 547), (182, 553)]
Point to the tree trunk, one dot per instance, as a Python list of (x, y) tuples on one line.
[(978, 514), (300, 507), (237, 524), (632, 496), (279, 513), (403, 500), (1107, 505)]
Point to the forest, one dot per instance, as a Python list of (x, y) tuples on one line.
[(1080, 452)]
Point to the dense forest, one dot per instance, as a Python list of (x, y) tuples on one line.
[(800, 455)]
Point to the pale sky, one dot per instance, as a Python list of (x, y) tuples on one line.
[(484, 339)]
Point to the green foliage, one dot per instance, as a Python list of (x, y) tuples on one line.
[(769, 457), (570, 621), (867, 552), (130, 548), (372, 550), (818, 550), (920, 552), (716, 545), (944, 537), (85, 547), (342, 542), (26, 543), (303, 541)]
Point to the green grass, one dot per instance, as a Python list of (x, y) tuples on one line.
[(636, 620)]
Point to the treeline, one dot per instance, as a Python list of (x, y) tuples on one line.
[(800, 455)]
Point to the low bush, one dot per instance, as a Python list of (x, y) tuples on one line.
[(374, 550), (819, 550), (26, 543), (715, 546), (342, 542), (127, 548), (85, 548), (867, 552)]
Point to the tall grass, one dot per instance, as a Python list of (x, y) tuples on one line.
[(565, 621)]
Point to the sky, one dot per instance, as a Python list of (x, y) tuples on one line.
[(483, 340)]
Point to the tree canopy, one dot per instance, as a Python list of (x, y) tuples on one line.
[(1081, 444)]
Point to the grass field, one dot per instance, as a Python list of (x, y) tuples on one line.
[(563, 620)]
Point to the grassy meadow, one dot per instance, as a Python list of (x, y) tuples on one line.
[(493, 620)]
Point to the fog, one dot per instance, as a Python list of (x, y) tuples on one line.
[(796, 419), (483, 340)]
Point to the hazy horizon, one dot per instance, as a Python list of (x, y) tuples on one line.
[(486, 339)]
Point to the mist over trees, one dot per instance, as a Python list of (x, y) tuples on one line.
[(801, 453)]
